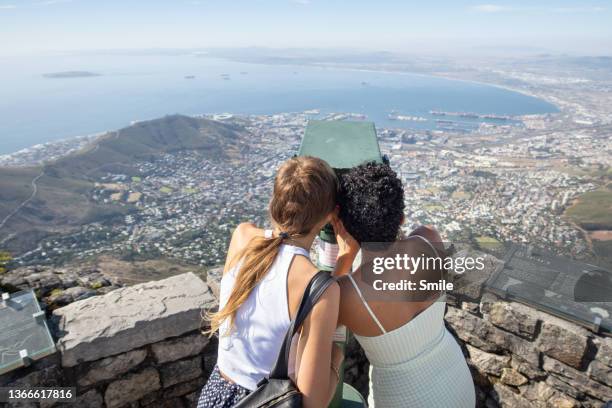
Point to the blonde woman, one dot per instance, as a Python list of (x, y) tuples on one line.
[(265, 275)]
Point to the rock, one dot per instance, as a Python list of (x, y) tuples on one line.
[(14, 280), (181, 371), (577, 381), (514, 317), (512, 377), (490, 403), (209, 360), (563, 341), (150, 398), (508, 398), (564, 387), (176, 349), (112, 367), (172, 403), (213, 279), (538, 391), (131, 388), (107, 289), (563, 401), (600, 372), (44, 282), (487, 362), (527, 368), (91, 399), (472, 329), (68, 280), (131, 317), (471, 307), (70, 295), (184, 388), (47, 376), (604, 353), (192, 399), (484, 335), (486, 301)]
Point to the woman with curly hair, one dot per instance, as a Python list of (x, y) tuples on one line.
[(414, 360)]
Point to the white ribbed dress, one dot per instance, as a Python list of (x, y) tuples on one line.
[(418, 365)]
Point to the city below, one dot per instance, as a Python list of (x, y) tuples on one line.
[(543, 180)]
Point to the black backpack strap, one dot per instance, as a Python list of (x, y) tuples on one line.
[(315, 289)]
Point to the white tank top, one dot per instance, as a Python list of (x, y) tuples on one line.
[(248, 352)]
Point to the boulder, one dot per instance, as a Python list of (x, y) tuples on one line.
[(131, 317)]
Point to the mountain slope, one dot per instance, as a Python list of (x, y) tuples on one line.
[(57, 201)]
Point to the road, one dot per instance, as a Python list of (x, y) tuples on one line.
[(20, 206)]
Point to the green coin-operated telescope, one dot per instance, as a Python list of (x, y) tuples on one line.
[(342, 145)]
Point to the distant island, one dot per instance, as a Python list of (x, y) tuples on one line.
[(71, 74)]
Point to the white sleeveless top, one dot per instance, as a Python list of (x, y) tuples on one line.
[(418, 365), (248, 353)]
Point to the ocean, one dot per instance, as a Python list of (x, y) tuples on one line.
[(36, 109)]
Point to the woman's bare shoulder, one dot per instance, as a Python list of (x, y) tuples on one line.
[(246, 231), (242, 235)]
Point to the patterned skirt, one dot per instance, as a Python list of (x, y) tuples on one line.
[(220, 393)]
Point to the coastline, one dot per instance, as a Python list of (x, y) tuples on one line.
[(451, 78), (74, 143)]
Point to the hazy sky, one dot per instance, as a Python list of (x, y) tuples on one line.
[(423, 26)]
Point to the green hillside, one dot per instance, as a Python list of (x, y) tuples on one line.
[(61, 202), (116, 151), (593, 210)]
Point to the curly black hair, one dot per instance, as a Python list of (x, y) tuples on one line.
[(371, 200)]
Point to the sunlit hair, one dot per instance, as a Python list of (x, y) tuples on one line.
[(304, 193)]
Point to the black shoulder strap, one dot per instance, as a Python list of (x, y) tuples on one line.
[(316, 287)]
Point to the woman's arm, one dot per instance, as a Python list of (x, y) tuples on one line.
[(348, 248), (318, 361)]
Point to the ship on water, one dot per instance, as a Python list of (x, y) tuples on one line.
[(407, 118)]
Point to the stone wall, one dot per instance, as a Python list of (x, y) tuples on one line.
[(521, 357), (139, 346)]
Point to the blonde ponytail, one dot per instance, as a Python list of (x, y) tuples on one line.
[(258, 257)]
